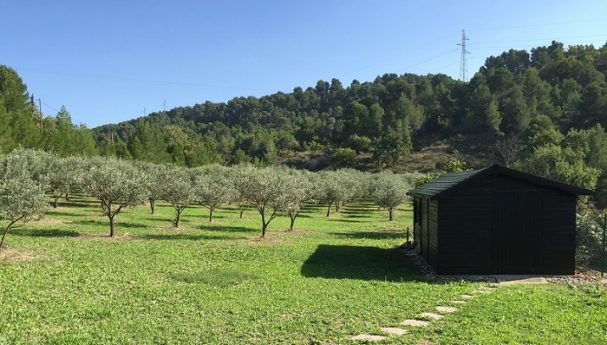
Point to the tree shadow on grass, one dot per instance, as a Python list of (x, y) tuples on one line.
[(227, 229), (344, 220), (45, 233), (364, 211), (106, 223), (362, 263), (372, 235), (75, 203), (65, 214), (188, 237), (356, 215)]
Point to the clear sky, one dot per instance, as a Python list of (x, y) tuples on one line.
[(108, 60)]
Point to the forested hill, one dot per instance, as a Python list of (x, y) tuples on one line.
[(543, 111), (525, 98)]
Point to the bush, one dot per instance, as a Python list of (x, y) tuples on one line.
[(343, 157), (591, 251)]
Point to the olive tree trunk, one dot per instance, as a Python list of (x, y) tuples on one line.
[(152, 205), (293, 216), (8, 227), (177, 216), (264, 222), (112, 225)]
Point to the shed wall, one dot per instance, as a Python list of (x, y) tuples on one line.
[(465, 230), (467, 241)]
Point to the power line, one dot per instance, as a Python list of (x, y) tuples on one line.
[(545, 24), (139, 80), (48, 106)]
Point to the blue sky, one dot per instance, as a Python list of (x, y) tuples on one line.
[(108, 60)]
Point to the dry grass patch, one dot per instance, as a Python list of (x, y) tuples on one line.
[(18, 255)]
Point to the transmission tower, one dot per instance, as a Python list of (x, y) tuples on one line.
[(463, 69)]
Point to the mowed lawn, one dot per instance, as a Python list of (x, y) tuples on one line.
[(219, 284)]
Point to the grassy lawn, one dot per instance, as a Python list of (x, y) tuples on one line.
[(218, 283)]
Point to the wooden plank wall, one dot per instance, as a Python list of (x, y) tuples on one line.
[(465, 230), (558, 239)]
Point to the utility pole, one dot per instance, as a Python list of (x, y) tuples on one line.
[(463, 69), (40, 116)]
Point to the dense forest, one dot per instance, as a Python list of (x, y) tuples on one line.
[(22, 124), (543, 111)]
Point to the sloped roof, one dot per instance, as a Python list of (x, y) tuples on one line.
[(450, 181)]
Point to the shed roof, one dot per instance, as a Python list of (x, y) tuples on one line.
[(451, 181)]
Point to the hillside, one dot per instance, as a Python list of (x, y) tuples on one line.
[(542, 111), (390, 120)]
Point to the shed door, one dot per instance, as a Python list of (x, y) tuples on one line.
[(518, 231)]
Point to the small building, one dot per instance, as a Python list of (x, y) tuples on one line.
[(496, 221)]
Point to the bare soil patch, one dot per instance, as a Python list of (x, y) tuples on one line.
[(18, 255)]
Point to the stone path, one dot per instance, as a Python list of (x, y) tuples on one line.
[(432, 316), (425, 319), (415, 323), (368, 337), (445, 310), (394, 330)]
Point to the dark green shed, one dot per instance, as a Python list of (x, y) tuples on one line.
[(496, 220)]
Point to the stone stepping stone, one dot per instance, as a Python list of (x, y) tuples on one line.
[(415, 323), (394, 330), (443, 309), (432, 316), (467, 296), (458, 302), (368, 337)]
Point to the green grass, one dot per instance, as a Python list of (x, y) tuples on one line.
[(218, 283)]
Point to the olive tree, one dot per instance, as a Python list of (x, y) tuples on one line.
[(117, 184), (327, 188), (263, 189), (336, 187), (297, 189), (389, 190), (178, 191), (156, 176), (64, 175), (238, 176), (22, 193), (213, 187)]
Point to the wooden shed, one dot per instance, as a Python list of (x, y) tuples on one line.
[(496, 221)]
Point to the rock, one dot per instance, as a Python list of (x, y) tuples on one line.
[(368, 337), (415, 323), (432, 316), (443, 309), (393, 330)]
